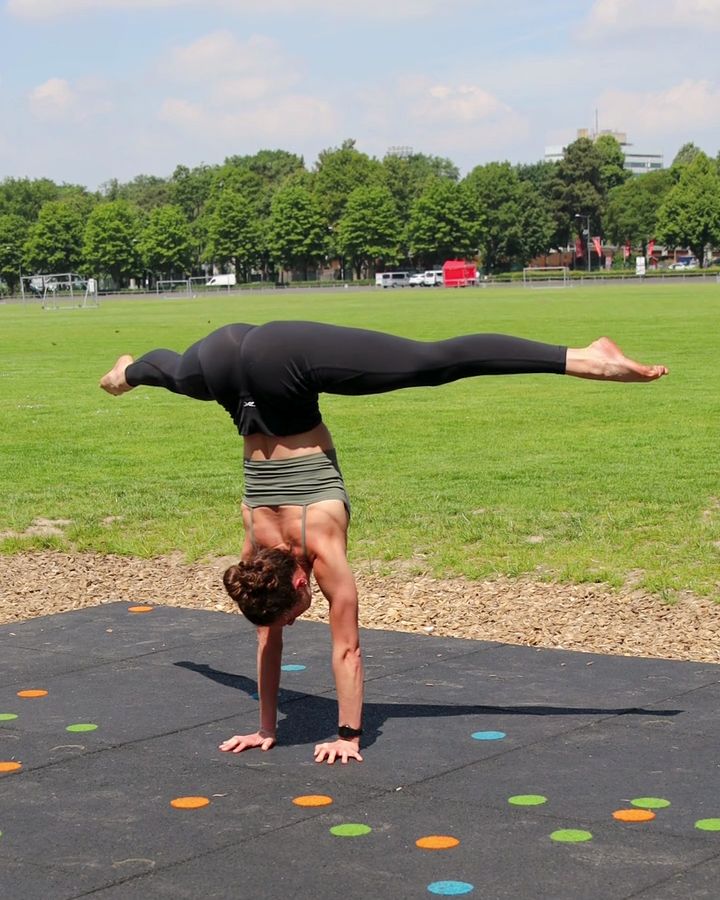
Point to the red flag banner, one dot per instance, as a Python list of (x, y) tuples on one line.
[(598, 246), (626, 250), (651, 247), (579, 249)]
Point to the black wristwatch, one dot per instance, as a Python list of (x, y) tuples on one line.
[(346, 732)]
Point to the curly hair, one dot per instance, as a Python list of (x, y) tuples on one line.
[(262, 587)]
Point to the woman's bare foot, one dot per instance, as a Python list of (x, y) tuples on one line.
[(114, 382), (603, 360)]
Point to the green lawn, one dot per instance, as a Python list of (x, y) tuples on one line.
[(559, 477)]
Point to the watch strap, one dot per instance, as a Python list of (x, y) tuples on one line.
[(346, 732)]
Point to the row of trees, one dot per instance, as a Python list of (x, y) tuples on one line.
[(268, 213)]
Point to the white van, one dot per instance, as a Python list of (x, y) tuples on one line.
[(433, 278), (392, 279), (222, 281)]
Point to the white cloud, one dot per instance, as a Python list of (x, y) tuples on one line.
[(238, 87), (462, 121), (285, 119), (464, 104), (57, 100), (375, 9), (662, 14), (696, 104), (232, 71)]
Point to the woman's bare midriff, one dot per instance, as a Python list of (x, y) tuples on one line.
[(281, 526), (265, 446)]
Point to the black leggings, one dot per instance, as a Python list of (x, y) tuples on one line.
[(268, 377)]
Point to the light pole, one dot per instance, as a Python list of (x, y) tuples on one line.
[(587, 219)]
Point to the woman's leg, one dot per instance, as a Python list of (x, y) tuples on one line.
[(181, 374)]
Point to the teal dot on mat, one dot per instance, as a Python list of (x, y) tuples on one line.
[(350, 829), (650, 802), (81, 726), (292, 667), (571, 835), (450, 888), (489, 735), (527, 800), (7, 717), (708, 824)]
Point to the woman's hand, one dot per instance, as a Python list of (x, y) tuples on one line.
[(239, 742), (339, 749)]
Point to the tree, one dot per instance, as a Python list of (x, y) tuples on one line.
[(369, 230), (514, 223), (190, 189), (13, 232), (297, 230), (25, 198), (632, 208), (338, 171), (441, 224), (407, 176), (272, 169), (690, 214), (234, 233), (579, 188), (543, 176), (537, 225), (54, 242), (147, 192), (685, 155), (612, 163), (111, 240), (166, 244)]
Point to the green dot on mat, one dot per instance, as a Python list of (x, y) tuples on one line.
[(7, 717), (81, 726), (571, 835), (708, 824), (650, 802), (350, 829), (527, 800)]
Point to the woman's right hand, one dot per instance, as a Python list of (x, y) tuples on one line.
[(239, 742)]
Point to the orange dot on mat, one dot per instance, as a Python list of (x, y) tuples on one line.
[(10, 766), (189, 802), (28, 694), (140, 609), (313, 800), (437, 842), (633, 815)]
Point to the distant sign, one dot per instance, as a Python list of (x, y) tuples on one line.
[(639, 265)]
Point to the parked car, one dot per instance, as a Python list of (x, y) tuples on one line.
[(417, 280), (433, 278), (392, 279)]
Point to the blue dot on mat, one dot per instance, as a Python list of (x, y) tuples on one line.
[(292, 667), (450, 888), (489, 735)]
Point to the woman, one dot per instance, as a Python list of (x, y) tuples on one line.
[(295, 507)]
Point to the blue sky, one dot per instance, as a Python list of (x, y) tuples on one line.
[(98, 89)]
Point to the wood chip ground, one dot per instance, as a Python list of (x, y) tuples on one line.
[(589, 618)]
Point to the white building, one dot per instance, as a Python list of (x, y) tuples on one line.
[(637, 163)]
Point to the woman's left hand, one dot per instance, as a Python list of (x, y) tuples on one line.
[(339, 749)]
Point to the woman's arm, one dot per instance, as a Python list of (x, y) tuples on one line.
[(269, 659), (335, 579)]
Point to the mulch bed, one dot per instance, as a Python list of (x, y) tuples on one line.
[(516, 611)]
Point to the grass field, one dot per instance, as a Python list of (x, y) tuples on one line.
[(551, 476)]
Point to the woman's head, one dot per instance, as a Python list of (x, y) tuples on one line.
[(270, 588)]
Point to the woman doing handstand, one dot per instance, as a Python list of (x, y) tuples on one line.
[(295, 506)]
